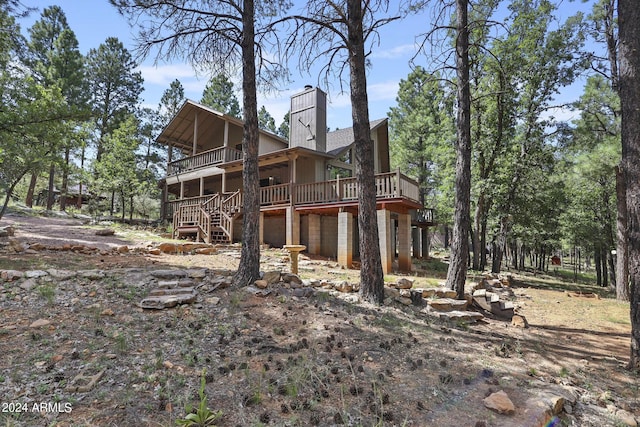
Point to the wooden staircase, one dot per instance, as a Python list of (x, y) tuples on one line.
[(210, 221)]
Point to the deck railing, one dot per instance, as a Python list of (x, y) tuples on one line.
[(204, 159), (390, 185)]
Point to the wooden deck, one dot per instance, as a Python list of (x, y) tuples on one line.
[(210, 218)]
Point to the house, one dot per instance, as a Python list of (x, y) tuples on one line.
[(308, 191)]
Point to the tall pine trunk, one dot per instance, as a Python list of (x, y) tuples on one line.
[(249, 267), (371, 274), (64, 189), (629, 34), (31, 190), (50, 195), (457, 273), (622, 240)]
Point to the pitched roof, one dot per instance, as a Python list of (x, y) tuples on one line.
[(339, 140)]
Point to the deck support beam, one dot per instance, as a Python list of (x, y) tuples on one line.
[(345, 239), (416, 241), (384, 238), (261, 232), (404, 242), (293, 226), (315, 234)]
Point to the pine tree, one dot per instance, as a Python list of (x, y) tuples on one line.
[(219, 95)]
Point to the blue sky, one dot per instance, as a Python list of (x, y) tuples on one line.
[(95, 20)]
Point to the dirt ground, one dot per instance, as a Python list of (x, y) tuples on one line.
[(287, 360)]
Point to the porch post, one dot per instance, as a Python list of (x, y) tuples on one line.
[(226, 134), (345, 239), (384, 237), (315, 237), (201, 186), (195, 134), (416, 239), (181, 189), (293, 226), (425, 242), (261, 233), (404, 242)]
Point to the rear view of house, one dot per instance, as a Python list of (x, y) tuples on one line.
[(308, 191)]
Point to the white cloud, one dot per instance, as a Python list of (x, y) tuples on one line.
[(383, 91), (395, 52), (165, 74)]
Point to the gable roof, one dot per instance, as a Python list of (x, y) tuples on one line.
[(179, 131), (339, 140)]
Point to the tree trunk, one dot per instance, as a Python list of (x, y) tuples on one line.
[(629, 55), (79, 204), (50, 195), (64, 189), (457, 273), (371, 274), (622, 240), (499, 246), (249, 268), (597, 260), (605, 271), (32, 188)]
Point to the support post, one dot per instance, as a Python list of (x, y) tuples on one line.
[(261, 232), (293, 226), (315, 235), (404, 242), (416, 240), (384, 238), (345, 239)]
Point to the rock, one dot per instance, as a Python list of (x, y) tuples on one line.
[(271, 276), (460, 316), (404, 300), (60, 274), (445, 293), (105, 232), (122, 249), (626, 418), (169, 248), (40, 323), (206, 251), (448, 304), (343, 286), (34, 274), (519, 321), (500, 402), (107, 312), (261, 284), (200, 273), (291, 278), (28, 284), (391, 292), (213, 300), (92, 274), (37, 247), (404, 283), (7, 231), (16, 246), (10, 275), (154, 251), (302, 292), (169, 274), (428, 293)]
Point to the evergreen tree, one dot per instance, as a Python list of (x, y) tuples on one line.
[(55, 60), (219, 95), (265, 120), (283, 129), (171, 101), (114, 86)]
